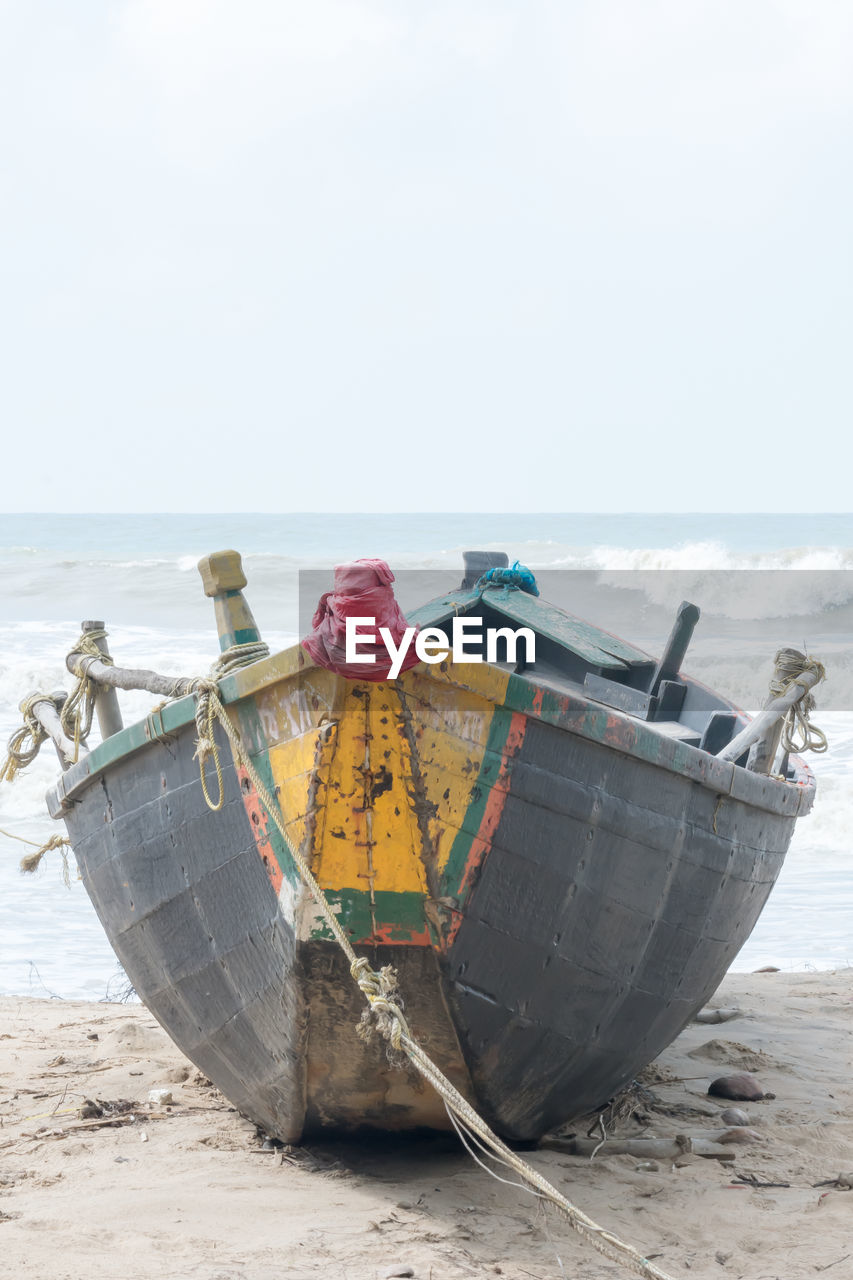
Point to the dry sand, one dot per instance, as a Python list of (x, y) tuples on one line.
[(189, 1191)]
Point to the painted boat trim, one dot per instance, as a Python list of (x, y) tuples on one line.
[(572, 712)]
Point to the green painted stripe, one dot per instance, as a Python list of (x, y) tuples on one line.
[(244, 635), (398, 915), (454, 870), (252, 733)]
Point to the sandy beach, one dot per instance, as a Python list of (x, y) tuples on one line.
[(147, 1189)]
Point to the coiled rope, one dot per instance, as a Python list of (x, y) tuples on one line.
[(78, 709), (239, 655), (380, 991), (798, 733), (76, 714), (25, 743)]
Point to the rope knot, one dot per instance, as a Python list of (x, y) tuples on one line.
[(798, 733), (204, 747), (31, 861), (384, 1011)]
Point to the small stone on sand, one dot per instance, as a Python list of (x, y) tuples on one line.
[(398, 1270), (717, 1015), (741, 1135), (176, 1075), (740, 1087)]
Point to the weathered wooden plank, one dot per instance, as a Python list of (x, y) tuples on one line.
[(437, 612), (634, 702), (589, 642)]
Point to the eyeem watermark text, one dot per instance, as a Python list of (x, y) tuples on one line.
[(465, 643)]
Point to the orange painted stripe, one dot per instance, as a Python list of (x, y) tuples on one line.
[(260, 828), (482, 841)]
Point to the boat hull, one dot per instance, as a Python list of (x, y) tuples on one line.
[(558, 896)]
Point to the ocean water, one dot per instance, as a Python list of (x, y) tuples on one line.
[(761, 581)]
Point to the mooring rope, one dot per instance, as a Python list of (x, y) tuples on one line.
[(25, 743), (76, 715), (76, 711), (32, 860), (798, 733), (239, 655), (18, 756), (380, 991), (79, 707)]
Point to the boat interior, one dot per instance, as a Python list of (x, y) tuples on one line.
[(576, 657)]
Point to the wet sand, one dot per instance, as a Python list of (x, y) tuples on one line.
[(146, 1190)]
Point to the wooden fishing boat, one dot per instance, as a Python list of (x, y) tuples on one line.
[(552, 856)]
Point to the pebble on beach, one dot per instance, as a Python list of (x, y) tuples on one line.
[(740, 1087), (707, 1016), (741, 1135)]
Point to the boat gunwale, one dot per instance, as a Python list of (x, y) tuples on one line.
[(572, 712)]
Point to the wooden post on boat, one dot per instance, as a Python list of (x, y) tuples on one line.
[(479, 562), (223, 579), (762, 754), (106, 702), (676, 646), (112, 677), (763, 729)]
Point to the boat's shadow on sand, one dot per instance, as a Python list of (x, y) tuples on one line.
[(423, 1189)]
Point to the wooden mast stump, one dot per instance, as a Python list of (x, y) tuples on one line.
[(223, 579), (106, 701)]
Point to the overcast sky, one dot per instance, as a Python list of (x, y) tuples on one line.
[(330, 255)]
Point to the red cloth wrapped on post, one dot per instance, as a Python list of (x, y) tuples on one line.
[(362, 590)]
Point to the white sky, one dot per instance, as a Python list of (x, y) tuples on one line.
[(435, 255)]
